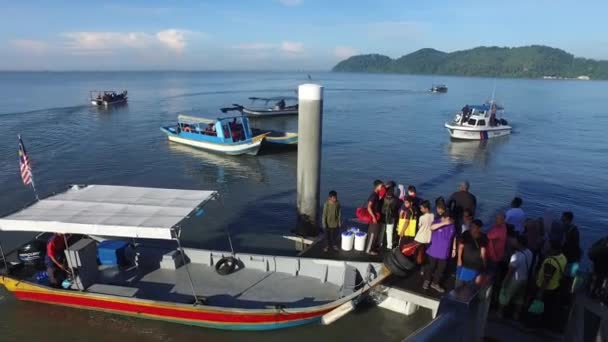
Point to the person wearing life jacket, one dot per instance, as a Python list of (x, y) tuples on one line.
[(548, 282)]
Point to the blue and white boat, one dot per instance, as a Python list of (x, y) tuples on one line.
[(231, 135), (479, 122)]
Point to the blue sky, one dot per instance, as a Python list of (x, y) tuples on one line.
[(279, 34)]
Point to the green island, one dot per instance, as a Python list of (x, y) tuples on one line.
[(534, 61)]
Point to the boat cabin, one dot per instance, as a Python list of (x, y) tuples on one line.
[(224, 130), (483, 115)]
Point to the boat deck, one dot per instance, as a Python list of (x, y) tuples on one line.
[(403, 287), (246, 288)]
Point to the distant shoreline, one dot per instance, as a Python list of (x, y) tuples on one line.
[(535, 61)]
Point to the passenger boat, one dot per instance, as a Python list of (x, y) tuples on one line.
[(231, 135), (479, 122), (439, 88), (223, 290), (273, 106), (107, 97)]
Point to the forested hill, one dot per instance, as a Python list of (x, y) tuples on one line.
[(527, 61)]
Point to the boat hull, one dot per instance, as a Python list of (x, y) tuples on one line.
[(251, 148), (204, 316), (107, 103), (278, 138), (268, 112), (197, 315), (470, 133)]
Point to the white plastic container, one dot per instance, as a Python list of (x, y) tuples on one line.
[(360, 238), (348, 240)]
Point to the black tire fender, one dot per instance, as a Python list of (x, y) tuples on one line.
[(403, 261), (225, 265)]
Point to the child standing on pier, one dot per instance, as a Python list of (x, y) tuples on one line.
[(332, 220)]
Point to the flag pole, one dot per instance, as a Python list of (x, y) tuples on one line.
[(32, 183)]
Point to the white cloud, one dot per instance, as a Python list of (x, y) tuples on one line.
[(344, 52), (292, 47), (174, 39), (105, 42), (291, 3), (30, 46)]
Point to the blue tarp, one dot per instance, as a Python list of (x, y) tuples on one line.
[(484, 107)]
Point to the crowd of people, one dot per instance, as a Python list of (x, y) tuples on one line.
[(531, 262)]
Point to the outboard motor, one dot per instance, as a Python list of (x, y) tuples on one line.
[(503, 122), (33, 253)]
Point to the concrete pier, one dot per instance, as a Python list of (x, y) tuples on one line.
[(310, 123)]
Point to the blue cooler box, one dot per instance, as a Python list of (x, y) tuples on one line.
[(112, 252)]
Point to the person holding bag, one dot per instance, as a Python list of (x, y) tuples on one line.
[(406, 228)]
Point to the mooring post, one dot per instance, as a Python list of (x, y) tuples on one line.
[(310, 122)]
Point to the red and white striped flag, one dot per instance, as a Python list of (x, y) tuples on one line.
[(24, 164)]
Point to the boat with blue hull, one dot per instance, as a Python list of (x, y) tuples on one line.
[(231, 135)]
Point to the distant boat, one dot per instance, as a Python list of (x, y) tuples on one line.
[(479, 122), (230, 135), (107, 97), (273, 106), (439, 88)]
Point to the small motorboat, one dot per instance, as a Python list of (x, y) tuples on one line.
[(277, 137), (231, 135), (273, 106), (107, 97), (479, 122), (439, 88), (127, 259)]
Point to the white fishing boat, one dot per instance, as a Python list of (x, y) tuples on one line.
[(273, 106), (164, 281), (107, 97), (230, 135), (479, 122)]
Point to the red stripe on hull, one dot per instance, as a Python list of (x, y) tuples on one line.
[(168, 313)]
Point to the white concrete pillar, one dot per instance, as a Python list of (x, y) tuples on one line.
[(310, 124)]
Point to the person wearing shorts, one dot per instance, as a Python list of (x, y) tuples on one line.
[(513, 289)]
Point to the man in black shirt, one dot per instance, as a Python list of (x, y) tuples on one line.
[(460, 200), (374, 207)]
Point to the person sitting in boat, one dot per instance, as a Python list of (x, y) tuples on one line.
[(280, 105), (56, 267)]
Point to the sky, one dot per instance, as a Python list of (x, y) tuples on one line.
[(280, 34)]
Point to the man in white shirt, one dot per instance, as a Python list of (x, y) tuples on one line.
[(516, 216), (513, 289)]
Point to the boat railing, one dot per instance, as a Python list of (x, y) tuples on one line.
[(461, 316)]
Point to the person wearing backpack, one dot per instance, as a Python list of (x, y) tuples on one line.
[(548, 282), (389, 215), (513, 289)]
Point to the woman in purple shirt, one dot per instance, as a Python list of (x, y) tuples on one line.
[(442, 234)]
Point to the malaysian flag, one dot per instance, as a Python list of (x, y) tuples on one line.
[(24, 163)]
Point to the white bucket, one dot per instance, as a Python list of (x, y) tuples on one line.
[(360, 238), (348, 239)]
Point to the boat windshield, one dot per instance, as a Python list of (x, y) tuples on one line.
[(472, 122)]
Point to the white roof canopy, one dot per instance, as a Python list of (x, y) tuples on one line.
[(108, 210)]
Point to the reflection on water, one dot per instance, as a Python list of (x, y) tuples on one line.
[(479, 152), (233, 166)]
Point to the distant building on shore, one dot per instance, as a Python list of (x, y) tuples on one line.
[(583, 78)]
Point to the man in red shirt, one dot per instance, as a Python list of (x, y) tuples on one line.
[(55, 260)]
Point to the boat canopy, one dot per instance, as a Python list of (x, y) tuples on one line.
[(194, 119), (109, 210), (274, 98), (484, 107)]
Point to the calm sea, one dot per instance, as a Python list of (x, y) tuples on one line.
[(375, 126)]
